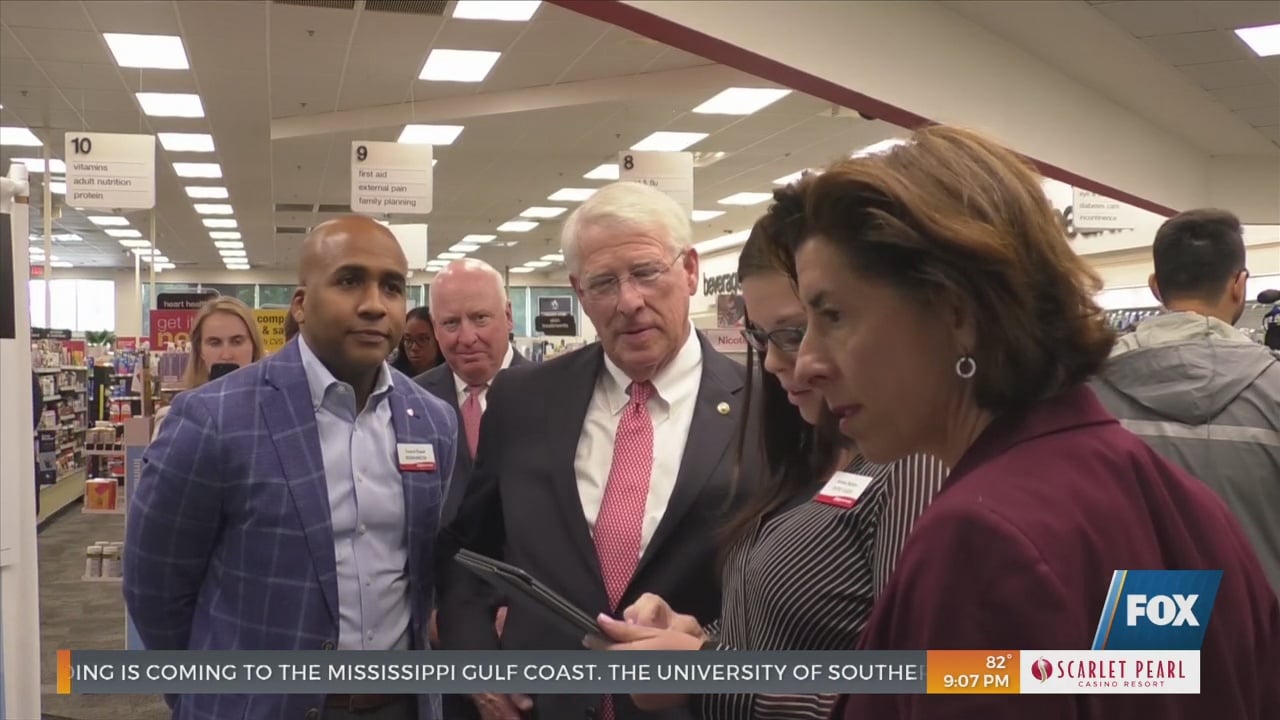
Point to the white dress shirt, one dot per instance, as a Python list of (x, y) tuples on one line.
[(461, 385), (671, 409)]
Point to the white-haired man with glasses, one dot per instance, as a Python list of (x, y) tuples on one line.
[(604, 472)]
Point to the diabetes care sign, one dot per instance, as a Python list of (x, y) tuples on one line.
[(388, 177), (111, 171)]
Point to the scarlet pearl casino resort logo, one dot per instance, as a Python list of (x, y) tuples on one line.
[(1125, 672), (1042, 669)]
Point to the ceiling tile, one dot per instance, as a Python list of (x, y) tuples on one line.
[(126, 16), (1143, 18), (1248, 96), (168, 81), (397, 30), (1231, 14), (1212, 76), (64, 45), (1271, 65), (1272, 133), (297, 58), (25, 73), (1198, 47), (9, 45), (317, 26), (76, 76), (64, 14)]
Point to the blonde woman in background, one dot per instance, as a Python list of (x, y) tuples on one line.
[(223, 332)]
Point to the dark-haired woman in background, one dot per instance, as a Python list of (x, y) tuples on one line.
[(419, 351), (804, 558), (948, 315)]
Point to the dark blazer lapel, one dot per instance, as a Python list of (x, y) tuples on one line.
[(567, 400), (710, 435), (291, 420)]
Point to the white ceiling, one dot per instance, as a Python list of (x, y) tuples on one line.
[(567, 94)]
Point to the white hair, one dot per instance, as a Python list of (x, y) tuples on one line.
[(626, 206), (467, 265)]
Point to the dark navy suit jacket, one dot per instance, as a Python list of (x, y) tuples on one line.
[(1017, 553)]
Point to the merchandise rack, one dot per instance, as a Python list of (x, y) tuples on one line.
[(61, 375)]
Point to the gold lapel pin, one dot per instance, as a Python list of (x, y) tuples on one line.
[(723, 408)]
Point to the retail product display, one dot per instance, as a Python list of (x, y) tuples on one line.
[(58, 364), (102, 561)]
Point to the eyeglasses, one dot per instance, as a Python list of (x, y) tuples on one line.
[(417, 341), (786, 339), (644, 277)]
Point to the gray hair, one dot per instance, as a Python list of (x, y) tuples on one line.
[(626, 206), (467, 265)]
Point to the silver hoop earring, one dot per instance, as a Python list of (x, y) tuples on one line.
[(966, 367)]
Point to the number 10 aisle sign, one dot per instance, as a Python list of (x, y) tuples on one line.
[(109, 171), (388, 177)]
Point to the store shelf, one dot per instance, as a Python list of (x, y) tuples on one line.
[(68, 489), (104, 453), (86, 578), (91, 511), (46, 371)]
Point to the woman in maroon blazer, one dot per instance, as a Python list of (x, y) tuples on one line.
[(948, 315)]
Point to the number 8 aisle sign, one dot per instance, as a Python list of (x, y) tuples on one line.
[(111, 171), (670, 172)]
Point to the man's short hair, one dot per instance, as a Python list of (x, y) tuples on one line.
[(1196, 253)]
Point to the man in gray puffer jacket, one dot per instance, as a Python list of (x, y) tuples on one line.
[(1197, 389)]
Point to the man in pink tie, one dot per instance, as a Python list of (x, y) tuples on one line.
[(604, 472)]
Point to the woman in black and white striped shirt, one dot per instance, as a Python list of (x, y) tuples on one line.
[(806, 557)]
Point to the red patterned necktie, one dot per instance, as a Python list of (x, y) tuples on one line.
[(621, 518), (471, 413)]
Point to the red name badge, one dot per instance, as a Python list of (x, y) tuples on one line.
[(843, 489), (416, 457)]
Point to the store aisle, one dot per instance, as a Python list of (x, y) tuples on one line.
[(82, 616)]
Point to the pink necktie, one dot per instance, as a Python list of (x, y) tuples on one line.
[(621, 519), (471, 413)]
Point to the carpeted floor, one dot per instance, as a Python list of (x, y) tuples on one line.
[(82, 615)]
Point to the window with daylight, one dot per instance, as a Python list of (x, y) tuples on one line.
[(75, 305)]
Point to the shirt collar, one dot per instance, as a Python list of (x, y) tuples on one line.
[(461, 385), (679, 378), (320, 380)]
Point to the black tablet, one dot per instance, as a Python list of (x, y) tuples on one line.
[(511, 578)]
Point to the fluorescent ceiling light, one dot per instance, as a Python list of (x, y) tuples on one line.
[(741, 101), (135, 243), (520, 269), (197, 170), (228, 244), (451, 256), (555, 257), (36, 165), (702, 215), (144, 252), (157, 104), (663, 141), (877, 148), (10, 135), (571, 194), (1262, 39), (537, 264), (517, 226), (214, 209), (206, 192), (543, 212), (225, 234), (58, 187), (67, 237), (156, 260), (746, 198), (219, 222), (479, 239), (60, 264), (237, 266), (123, 233), (106, 220), (164, 266), (463, 247), (607, 171), (429, 134), (159, 52), (230, 253), (788, 179), (186, 142), (458, 65), (706, 247), (510, 10)]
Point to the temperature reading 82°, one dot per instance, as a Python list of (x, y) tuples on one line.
[(362, 153), (998, 662)]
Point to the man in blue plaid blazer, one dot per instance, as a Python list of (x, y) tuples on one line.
[(294, 504)]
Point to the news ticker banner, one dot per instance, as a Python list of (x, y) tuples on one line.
[(582, 672)]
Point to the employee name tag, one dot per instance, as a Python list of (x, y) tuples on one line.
[(843, 489), (416, 457)]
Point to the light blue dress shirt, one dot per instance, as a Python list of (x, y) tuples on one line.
[(366, 505)]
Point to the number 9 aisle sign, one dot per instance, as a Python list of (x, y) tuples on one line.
[(111, 171), (388, 177), (670, 172)]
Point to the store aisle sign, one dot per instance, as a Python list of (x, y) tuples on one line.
[(1098, 212), (670, 172), (271, 325), (110, 171), (388, 177)]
